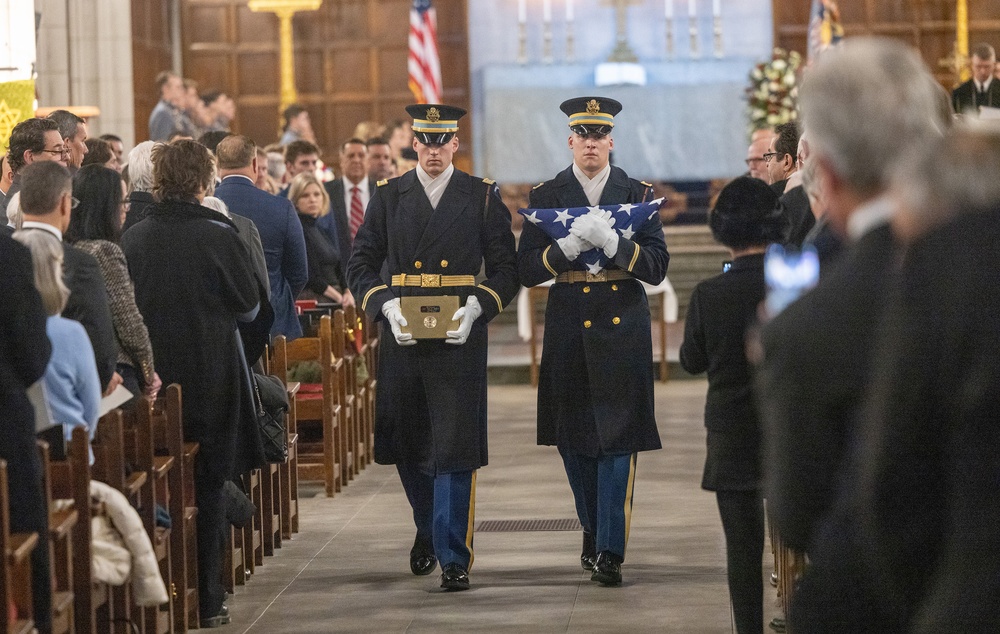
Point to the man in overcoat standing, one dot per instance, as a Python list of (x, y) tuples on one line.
[(425, 234), (595, 390)]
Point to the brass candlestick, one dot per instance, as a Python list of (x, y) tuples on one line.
[(693, 30), (717, 35), (670, 38), (522, 47), (547, 43)]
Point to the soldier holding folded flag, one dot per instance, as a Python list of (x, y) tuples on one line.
[(595, 392)]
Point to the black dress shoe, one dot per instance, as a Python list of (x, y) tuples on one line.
[(589, 553), (607, 569), (422, 559), (454, 577), (220, 619)]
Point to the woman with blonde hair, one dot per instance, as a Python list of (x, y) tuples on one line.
[(326, 272), (72, 387)]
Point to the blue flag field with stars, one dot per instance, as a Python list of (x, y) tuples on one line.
[(625, 219)]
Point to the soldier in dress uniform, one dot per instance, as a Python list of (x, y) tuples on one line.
[(428, 233), (595, 390)]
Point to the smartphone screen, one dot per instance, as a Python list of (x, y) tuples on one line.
[(788, 275), (726, 265)]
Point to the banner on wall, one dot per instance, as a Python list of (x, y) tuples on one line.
[(17, 100)]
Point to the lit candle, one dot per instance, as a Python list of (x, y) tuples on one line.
[(546, 10), (522, 11), (668, 8), (716, 8), (569, 10), (692, 8)]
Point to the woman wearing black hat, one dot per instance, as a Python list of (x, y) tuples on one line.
[(746, 219)]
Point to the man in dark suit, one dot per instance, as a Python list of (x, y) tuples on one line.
[(981, 90), (32, 140), (817, 352), (279, 227), (595, 389), (929, 438), (780, 158), (432, 230), (47, 202), (349, 196), (24, 354)]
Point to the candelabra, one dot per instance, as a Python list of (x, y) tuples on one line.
[(695, 53), (670, 38), (547, 43), (717, 35), (570, 53), (522, 46)]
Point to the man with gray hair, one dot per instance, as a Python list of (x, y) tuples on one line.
[(817, 351), (140, 182)]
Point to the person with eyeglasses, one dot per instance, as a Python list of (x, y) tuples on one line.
[(30, 141), (779, 160), (755, 154), (88, 300)]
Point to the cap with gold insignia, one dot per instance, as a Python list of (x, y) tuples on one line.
[(434, 124), (591, 115)]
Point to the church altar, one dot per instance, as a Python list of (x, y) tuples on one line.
[(688, 123)]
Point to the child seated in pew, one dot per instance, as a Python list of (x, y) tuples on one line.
[(72, 386)]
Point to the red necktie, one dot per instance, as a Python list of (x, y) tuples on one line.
[(357, 211)]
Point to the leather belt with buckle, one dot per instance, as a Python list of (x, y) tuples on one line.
[(574, 277), (425, 280)]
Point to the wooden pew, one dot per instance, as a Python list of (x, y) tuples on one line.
[(138, 434), (344, 380), (369, 333), (103, 604), (359, 388), (60, 545), (168, 440), (317, 460), (289, 490), (15, 581)]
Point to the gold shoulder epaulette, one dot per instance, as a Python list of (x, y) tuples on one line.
[(538, 185), (382, 182), (646, 184), (489, 181)]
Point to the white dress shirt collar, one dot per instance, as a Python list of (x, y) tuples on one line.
[(434, 187), (869, 216), (983, 86), (31, 224), (592, 187)]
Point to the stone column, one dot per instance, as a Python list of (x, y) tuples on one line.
[(85, 59)]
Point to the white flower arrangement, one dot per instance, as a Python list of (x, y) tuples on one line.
[(772, 95)]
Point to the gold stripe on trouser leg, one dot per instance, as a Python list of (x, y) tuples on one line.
[(472, 520), (628, 497)]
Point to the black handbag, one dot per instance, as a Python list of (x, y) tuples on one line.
[(271, 407)]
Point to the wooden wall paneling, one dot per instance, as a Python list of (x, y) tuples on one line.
[(151, 53), (350, 63), (928, 25)]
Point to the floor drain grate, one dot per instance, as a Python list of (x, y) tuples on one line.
[(518, 526)]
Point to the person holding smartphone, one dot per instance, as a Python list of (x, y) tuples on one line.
[(746, 219)]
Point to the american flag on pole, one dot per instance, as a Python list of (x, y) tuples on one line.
[(423, 63), (626, 219)]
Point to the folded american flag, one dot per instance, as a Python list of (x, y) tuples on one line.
[(627, 220)]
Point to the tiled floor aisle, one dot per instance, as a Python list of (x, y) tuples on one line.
[(347, 571)]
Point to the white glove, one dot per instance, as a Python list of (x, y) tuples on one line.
[(572, 246), (465, 316), (396, 321), (595, 228)]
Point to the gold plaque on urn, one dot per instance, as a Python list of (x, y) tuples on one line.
[(429, 316)]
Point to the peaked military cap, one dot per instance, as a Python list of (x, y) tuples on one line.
[(591, 115), (434, 124)]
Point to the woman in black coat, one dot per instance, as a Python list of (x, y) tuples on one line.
[(327, 281), (746, 219), (193, 282)]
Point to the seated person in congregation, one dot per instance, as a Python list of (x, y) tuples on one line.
[(326, 272)]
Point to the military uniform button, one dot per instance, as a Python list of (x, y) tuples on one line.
[(417, 264), (586, 324), (616, 321), (586, 289), (444, 264), (614, 287)]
